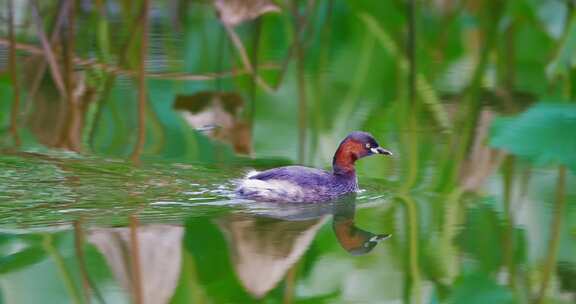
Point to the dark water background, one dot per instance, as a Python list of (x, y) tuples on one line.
[(123, 125)]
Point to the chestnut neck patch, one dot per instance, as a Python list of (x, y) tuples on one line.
[(348, 152)]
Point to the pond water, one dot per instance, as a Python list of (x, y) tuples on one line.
[(124, 127)]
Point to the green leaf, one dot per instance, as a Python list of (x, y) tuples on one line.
[(21, 259), (544, 134)]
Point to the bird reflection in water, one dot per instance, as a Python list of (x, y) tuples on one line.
[(353, 239), (270, 237)]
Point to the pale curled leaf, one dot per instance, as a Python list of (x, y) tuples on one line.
[(217, 115), (234, 12)]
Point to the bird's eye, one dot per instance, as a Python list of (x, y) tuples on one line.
[(368, 146)]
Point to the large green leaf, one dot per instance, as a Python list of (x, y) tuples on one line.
[(544, 134)]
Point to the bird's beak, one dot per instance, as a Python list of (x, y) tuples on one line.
[(380, 150), (379, 237)]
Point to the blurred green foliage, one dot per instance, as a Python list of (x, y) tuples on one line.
[(469, 223)]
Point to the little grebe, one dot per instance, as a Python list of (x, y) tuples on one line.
[(303, 184)]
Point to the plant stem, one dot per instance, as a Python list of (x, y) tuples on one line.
[(302, 102), (65, 274), (13, 76), (142, 89), (48, 52), (135, 272), (411, 52), (554, 242), (413, 254)]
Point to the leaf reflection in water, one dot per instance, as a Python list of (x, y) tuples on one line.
[(159, 258)]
